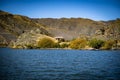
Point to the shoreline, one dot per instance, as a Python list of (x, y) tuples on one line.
[(89, 49)]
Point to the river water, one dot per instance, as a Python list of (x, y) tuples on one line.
[(34, 64)]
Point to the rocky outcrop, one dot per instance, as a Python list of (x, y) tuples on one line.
[(11, 26), (29, 39), (3, 42)]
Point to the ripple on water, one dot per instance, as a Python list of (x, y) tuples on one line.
[(59, 65)]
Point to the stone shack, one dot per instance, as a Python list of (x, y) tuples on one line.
[(59, 39)]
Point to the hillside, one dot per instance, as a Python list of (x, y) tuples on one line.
[(71, 28), (29, 39), (12, 26)]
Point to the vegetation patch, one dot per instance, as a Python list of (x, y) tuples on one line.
[(46, 43), (95, 43), (78, 43)]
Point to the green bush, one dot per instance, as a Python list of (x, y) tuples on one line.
[(64, 45), (94, 43), (108, 44), (57, 45), (30, 46), (78, 43), (46, 43)]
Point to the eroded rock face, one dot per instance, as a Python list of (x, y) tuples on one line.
[(3, 42), (29, 39), (12, 26), (98, 32)]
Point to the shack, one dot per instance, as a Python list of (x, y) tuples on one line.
[(59, 39)]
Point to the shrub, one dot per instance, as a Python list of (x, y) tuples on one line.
[(108, 44), (78, 43), (30, 46), (45, 43), (64, 45), (94, 43), (57, 45)]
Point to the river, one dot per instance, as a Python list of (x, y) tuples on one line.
[(35, 64)]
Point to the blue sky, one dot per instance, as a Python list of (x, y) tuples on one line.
[(92, 9)]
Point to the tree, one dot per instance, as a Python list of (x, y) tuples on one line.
[(78, 43), (108, 44), (64, 45), (94, 43), (46, 43)]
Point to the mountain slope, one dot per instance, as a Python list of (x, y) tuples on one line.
[(11, 26), (76, 27)]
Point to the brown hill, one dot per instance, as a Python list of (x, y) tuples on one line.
[(11, 26), (71, 28)]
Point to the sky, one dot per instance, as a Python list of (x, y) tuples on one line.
[(91, 9)]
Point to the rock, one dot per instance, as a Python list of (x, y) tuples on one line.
[(3, 42), (28, 39), (98, 32)]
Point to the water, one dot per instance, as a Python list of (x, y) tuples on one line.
[(18, 64)]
